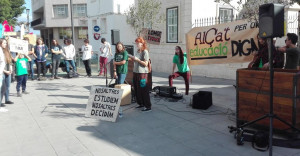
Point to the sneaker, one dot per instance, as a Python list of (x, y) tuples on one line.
[(139, 106), (25, 92), (9, 102), (146, 110), (19, 94), (52, 78), (56, 77)]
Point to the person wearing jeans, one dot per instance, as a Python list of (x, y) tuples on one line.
[(180, 60), (69, 54), (21, 66), (7, 75), (41, 52), (31, 55), (5, 72), (56, 55), (120, 63)]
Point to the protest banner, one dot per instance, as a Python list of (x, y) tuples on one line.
[(18, 45), (231, 42), (104, 103), (152, 36)]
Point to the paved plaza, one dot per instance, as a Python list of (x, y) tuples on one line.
[(51, 121)]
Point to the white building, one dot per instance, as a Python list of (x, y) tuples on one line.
[(53, 19), (185, 12), (109, 16)]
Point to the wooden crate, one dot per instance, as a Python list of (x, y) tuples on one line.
[(252, 93)]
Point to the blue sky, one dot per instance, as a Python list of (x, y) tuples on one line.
[(23, 17)]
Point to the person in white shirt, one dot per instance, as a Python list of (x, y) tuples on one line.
[(69, 53), (3, 45), (105, 50), (87, 51)]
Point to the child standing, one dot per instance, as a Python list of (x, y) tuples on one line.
[(21, 70)]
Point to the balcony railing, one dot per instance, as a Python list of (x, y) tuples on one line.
[(36, 22)]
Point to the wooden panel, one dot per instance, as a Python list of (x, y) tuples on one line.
[(283, 82), (129, 76)]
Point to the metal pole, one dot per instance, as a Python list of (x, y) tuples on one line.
[(27, 11), (72, 25), (270, 40)]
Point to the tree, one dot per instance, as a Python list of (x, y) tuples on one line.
[(10, 10), (145, 15), (249, 9)]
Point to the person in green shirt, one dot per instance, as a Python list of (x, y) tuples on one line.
[(21, 72), (180, 60), (120, 63)]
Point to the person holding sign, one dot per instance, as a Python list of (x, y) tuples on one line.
[(105, 50), (7, 74), (140, 75), (120, 63), (31, 55), (56, 55), (41, 52), (87, 51), (21, 66), (180, 60)]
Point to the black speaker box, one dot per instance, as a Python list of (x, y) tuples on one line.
[(115, 37), (202, 100), (166, 91), (271, 20)]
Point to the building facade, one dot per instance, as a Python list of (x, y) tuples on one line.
[(109, 17), (181, 17), (53, 19)]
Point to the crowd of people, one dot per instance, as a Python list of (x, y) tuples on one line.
[(22, 63)]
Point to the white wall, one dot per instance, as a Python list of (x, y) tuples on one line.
[(108, 10)]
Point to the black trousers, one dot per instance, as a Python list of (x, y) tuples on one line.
[(87, 64), (141, 89), (41, 66), (55, 65)]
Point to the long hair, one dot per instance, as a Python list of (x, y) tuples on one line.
[(57, 44), (181, 59), (123, 48), (6, 52), (141, 40), (37, 41)]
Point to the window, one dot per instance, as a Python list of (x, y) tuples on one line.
[(65, 33), (172, 25), (79, 10), (225, 15), (103, 25), (82, 33), (60, 11)]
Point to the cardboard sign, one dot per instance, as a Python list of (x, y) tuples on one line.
[(232, 42), (152, 36), (104, 103), (18, 45)]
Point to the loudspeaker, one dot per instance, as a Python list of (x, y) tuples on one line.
[(202, 100), (165, 91), (115, 36), (271, 20)]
